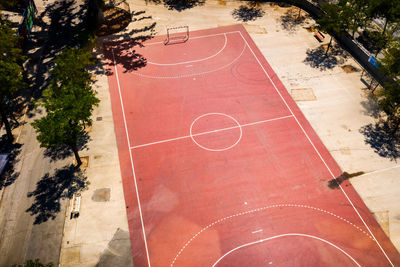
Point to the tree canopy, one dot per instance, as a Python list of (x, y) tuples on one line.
[(69, 101), (11, 71)]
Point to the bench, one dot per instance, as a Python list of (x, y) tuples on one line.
[(76, 206), (319, 36)]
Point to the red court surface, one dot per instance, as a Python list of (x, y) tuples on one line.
[(220, 167)]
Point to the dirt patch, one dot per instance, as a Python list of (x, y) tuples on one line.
[(101, 195), (310, 29), (303, 94), (70, 255), (85, 162), (349, 68), (115, 20)]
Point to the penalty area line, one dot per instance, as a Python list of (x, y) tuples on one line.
[(209, 132)]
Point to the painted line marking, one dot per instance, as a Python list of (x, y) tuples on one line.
[(263, 209), (213, 131), (219, 149), (192, 61), (284, 235), (196, 37), (191, 74), (257, 231), (316, 150), (130, 155)]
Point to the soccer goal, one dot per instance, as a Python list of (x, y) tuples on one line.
[(177, 35)]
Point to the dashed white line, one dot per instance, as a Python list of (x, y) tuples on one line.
[(262, 209)]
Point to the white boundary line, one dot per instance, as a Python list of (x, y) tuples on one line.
[(377, 171), (209, 132), (192, 61), (221, 220), (316, 150), (283, 235), (130, 154), (191, 74), (196, 37)]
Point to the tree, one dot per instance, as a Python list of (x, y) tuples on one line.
[(34, 263), (359, 10), (387, 9), (69, 102), (389, 102), (391, 60), (11, 72), (335, 19)]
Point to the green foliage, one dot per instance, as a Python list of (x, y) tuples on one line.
[(391, 60), (359, 14), (389, 102), (69, 100), (34, 263), (387, 9), (336, 17), (11, 60), (11, 71), (11, 4)]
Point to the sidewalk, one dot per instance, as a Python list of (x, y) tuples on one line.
[(333, 101)]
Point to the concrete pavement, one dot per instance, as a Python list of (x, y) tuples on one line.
[(338, 109)]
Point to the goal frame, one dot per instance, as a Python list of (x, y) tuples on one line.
[(174, 35)]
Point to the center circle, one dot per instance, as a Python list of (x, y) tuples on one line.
[(222, 129)]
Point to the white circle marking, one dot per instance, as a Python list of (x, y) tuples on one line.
[(211, 149)]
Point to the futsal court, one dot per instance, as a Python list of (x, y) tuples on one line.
[(221, 168)]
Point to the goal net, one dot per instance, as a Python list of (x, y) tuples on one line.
[(177, 35)]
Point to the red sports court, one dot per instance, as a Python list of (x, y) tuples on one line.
[(221, 168)]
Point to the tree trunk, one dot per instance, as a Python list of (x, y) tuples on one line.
[(78, 159), (10, 137), (329, 46), (384, 26)]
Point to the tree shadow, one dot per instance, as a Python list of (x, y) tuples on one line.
[(180, 5), (51, 189), (9, 174), (335, 183), (247, 13), (383, 139), (63, 151), (371, 106), (316, 57), (290, 21), (61, 24), (121, 48)]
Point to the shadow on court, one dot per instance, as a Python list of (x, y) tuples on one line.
[(317, 57), (9, 174), (248, 12), (52, 189), (383, 138)]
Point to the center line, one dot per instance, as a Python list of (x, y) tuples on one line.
[(209, 132), (257, 231)]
